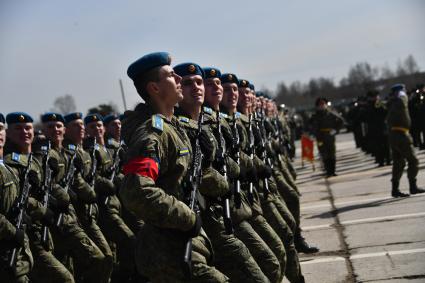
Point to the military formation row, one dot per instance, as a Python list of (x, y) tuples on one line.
[(204, 192)]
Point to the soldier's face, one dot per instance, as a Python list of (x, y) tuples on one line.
[(213, 91), (21, 134), (114, 128), (168, 87), (193, 90), (2, 135), (54, 131), (244, 99), (75, 130), (95, 129), (230, 95)]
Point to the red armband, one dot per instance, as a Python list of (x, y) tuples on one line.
[(142, 166)]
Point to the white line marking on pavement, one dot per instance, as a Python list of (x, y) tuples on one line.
[(366, 220), (360, 256), (343, 203)]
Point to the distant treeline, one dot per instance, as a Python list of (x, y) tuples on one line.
[(360, 78)]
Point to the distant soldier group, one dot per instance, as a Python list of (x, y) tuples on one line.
[(204, 192)]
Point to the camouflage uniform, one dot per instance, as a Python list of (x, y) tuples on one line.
[(10, 237), (153, 192), (86, 208), (232, 257), (44, 260)]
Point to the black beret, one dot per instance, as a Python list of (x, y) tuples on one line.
[(243, 83), (259, 94), (2, 118), (252, 87)]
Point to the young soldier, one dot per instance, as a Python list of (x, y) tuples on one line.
[(108, 180), (69, 237), (11, 236), (85, 203), (158, 159), (112, 125), (268, 250), (20, 134), (231, 255)]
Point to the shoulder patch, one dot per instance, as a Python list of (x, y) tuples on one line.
[(157, 122), (184, 151), (16, 156), (72, 147), (110, 141), (183, 119), (223, 115), (208, 110), (238, 114)]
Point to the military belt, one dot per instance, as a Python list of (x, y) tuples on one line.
[(400, 129)]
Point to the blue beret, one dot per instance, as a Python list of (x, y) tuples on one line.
[(110, 118), (229, 78), (243, 83), (2, 118), (18, 117), (52, 117), (73, 116), (187, 69), (147, 63), (398, 87), (252, 87), (122, 117), (211, 72), (93, 118), (259, 94)]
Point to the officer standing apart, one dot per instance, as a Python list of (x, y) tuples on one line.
[(401, 141), (325, 124)]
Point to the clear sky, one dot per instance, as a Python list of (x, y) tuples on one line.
[(49, 48)]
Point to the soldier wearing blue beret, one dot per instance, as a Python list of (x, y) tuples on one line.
[(72, 117), (158, 158), (244, 99), (112, 124)]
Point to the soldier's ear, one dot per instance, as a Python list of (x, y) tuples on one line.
[(152, 88)]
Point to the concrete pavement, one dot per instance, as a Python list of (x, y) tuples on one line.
[(363, 233)]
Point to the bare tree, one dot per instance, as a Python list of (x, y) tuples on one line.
[(104, 109), (410, 65), (64, 104)]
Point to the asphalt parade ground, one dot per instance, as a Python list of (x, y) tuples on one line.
[(364, 234)]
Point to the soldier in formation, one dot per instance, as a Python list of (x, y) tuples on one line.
[(204, 192)]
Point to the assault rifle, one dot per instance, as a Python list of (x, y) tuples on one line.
[(115, 167), (46, 187), (221, 161), (235, 151), (20, 207), (91, 145), (263, 157), (194, 181), (251, 151), (67, 183)]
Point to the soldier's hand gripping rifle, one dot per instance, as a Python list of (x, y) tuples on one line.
[(193, 182), (67, 182), (251, 151), (221, 161), (235, 150), (20, 207), (46, 188)]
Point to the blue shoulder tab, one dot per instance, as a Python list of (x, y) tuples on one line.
[(184, 151), (208, 110), (16, 156), (110, 141), (157, 122), (183, 119), (72, 147), (223, 115), (238, 114)]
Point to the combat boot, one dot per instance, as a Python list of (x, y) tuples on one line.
[(396, 191), (302, 246), (413, 188)]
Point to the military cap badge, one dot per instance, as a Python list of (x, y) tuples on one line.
[(54, 116), (213, 72), (229, 77), (21, 118), (191, 68)]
